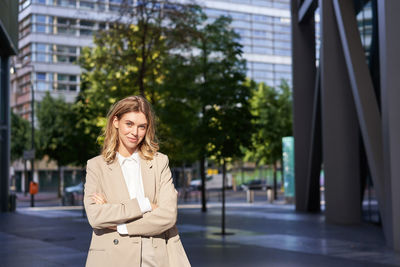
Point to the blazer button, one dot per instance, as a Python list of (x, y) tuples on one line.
[(116, 242)]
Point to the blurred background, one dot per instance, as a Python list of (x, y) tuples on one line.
[(272, 113)]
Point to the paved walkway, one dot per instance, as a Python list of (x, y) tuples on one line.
[(261, 234)]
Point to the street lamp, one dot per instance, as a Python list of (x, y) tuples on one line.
[(33, 130)]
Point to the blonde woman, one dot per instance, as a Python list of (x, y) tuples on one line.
[(130, 200)]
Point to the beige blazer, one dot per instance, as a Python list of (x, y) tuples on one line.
[(108, 247)]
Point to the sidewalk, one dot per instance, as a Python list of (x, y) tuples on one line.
[(262, 234)]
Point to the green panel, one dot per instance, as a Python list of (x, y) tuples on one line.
[(288, 165), (8, 27)]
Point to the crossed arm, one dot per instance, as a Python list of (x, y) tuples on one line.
[(102, 214)]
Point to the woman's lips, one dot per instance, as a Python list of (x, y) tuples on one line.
[(132, 140)]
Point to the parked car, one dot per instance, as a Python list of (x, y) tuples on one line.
[(256, 184), (73, 195), (213, 182)]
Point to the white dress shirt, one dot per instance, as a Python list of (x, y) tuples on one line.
[(133, 178)]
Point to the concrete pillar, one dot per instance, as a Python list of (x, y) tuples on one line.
[(340, 128)]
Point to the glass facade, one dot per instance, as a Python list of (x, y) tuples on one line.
[(264, 35)]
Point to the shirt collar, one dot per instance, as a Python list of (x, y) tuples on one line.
[(134, 157)]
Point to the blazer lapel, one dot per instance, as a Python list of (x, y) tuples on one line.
[(146, 167), (120, 184)]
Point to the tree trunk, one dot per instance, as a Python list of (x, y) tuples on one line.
[(60, 181), (242, 172), (203, 184), (223, 196), (183, 185), (275, 183)]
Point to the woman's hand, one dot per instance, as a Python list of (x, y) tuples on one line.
[(153, 206), (99, 198)]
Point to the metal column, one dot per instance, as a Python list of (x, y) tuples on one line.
[(4, 132), (304, 71), (389, 43)]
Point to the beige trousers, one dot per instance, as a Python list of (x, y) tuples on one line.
[(148, 253)]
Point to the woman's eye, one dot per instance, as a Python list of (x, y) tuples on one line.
[(142, 127), (129, 124)]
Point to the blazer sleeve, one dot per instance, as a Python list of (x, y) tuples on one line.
[(110, 214), (164, 216)]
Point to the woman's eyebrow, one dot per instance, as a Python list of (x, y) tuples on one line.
[(135, 123)]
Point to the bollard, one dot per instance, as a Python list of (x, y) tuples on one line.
[(250, 196), (270, 195), (12, 202)]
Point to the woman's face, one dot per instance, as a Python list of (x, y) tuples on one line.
[(131, 130)]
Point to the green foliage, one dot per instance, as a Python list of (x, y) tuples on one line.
[(134, 58), (225, 123), (57, 130), (205, 97), (272, 109), (20, 136)]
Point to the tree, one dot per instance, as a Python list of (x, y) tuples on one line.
[(225, 118), (272, 111), (57, 133), (20, 136), (132, 58), (207, 92)]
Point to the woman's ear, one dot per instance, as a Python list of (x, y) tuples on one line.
[(115, 122)]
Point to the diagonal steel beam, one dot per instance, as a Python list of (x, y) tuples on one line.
[(364, 96), (315, 155), (308, 7)]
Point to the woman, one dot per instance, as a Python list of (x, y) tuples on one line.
[(130, 200)]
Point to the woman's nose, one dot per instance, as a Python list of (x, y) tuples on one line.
[(134, 131)]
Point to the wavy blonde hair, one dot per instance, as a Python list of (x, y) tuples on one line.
[(148, 146)]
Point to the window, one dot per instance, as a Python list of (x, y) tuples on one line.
[(262, 66), (24, 4), (262, 3), (66, 26), (86, 27), (262, 50), (40, 18), (65, 53), (263, 74), (262, 42), (86, 4), (262, 26), (239, 16), (242, 32), (280, 67), (66, 82), (264, 34), (286, 45), (40, 47), (240, 24), (282, 52), (41, 76), (282, 36), (216, 12), (66, 3), (262, 18)]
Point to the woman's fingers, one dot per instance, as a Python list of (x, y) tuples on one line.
[(99, 198), (153, 206)]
